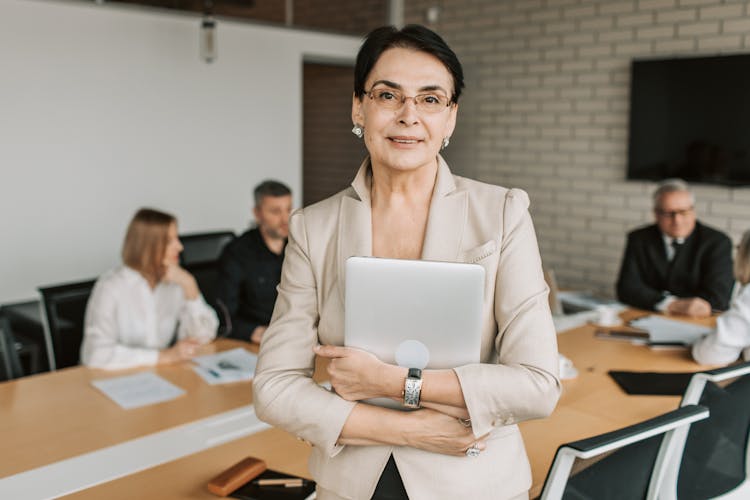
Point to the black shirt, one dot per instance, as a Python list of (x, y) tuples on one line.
[(248, 275)]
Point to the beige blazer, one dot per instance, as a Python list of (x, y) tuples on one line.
[(517, 379)]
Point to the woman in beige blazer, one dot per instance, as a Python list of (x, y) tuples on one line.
[(405, 203)]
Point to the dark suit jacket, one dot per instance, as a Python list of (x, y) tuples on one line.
[(702, 267)]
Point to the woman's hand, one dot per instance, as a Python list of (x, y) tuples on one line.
[(181, 351), (356, 374), (433, 431), (178, 275)]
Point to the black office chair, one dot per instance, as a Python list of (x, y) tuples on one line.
[(10, 365), (200, 257), (634, 469), (713, 459), (64, 308)]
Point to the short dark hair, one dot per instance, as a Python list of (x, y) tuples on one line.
[(270, 188), (411, 36)]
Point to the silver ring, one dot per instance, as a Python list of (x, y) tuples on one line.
[(466, 422), (473, 451)]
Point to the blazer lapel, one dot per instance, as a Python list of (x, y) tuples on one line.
[(447, 218), (355, 223)]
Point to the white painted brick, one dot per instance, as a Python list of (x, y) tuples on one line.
[(675, 46), (590, 132), (541, 94), (526, 30), (721, 12), (525, 81), (676, 16), (698, 29), (601, 50), (592, 106), (544, 42), (633, 49), (578, 39), (741, 195), (547, 14), (560, 27), (655, 32), (559, 53), (608, 200), (575, 119), (576, 66), (736, 25), (656, 4), (555, 132), (596, 24), (722, 208), (617, 35), (725, 42), (527, 56), (576, 92), (557, 80), (635, 19), (611, 7), (684, 3), (579, 12)]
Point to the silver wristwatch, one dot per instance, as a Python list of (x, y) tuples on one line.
[(413, 388)]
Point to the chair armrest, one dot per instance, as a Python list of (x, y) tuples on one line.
[(589, 447)]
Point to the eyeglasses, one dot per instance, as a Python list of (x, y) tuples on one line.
[(392, 100), (672, 214)]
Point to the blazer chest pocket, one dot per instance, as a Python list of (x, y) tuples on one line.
[(481, 252)]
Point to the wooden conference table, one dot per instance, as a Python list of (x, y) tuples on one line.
[(55, 416)]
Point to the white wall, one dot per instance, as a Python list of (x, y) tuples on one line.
[(104, 109)]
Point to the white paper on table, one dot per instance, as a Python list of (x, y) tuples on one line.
[(140, 389), (226, 366), (662, 329)]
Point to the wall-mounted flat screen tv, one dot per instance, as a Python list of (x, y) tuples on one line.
[(690, 118)]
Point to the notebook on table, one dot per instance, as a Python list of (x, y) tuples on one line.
[(414, 313)]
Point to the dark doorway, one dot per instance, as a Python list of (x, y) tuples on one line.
[(331, 154)]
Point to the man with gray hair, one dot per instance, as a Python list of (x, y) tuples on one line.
[(677, 265), (250, 266)]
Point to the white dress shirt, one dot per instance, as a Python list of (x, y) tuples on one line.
[(127, 322), (731, 337)]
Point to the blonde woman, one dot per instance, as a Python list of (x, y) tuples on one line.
[(732, 335), (136, 310)]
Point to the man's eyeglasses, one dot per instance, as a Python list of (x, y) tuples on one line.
[(392, 99), (672, 214)]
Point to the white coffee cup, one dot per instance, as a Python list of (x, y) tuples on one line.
[(566, 370), (608, 316)]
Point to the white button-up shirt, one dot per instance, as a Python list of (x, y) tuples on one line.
[(127, 322)]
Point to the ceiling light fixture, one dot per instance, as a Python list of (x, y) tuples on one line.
[(208, 33)]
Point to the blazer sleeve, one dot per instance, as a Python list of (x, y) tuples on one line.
[(717, 277), (523, 384), (284, 393), (632, 288)]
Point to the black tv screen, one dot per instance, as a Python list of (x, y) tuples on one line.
[(690, 118)]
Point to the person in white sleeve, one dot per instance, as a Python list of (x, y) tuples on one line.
[(137, 310), (732, 335)]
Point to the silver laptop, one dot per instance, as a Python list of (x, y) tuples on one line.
[(414, 313)]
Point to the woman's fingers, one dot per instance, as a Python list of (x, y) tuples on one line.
[(331, 351)]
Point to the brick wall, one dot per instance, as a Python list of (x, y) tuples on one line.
[(546, 110)]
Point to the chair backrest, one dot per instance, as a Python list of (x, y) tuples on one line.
[(64, 308), (10, 365), (713, 458), (200, 257), (203, 248), (632, 469)]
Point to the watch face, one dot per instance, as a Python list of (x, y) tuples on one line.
[(412, 391)]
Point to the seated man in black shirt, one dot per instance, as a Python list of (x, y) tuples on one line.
[(250, 266), (678, 265)]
